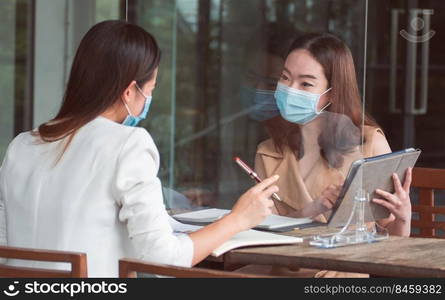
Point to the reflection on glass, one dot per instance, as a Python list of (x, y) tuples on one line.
[(221, 62), (265, 64)]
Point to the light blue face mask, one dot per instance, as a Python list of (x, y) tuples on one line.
[(298, 106), (131, 120), (261, 103)]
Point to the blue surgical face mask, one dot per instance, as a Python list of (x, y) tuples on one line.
[(131, 120), (261, 103), (298, 106)]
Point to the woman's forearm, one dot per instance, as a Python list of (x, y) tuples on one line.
[(250, 210), (212, 236)]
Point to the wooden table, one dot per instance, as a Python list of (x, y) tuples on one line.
[(395, 257)]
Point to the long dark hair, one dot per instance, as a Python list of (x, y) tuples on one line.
[(110, 56), (338, 65)]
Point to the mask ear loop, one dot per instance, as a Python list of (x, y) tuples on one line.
[(140, 90), (324, 107), (125, 104), (128, 109), (325, 91)]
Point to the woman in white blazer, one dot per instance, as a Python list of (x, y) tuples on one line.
[(87, 179)]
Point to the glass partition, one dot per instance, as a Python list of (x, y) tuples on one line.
[(217, 87), (215, 99)]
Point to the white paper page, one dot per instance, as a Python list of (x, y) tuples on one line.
[(213, 214), (202, 216), (276, 221), (255, 238)]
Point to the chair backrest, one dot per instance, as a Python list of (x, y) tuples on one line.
[(428, 180), (128, 268), (77, 260)]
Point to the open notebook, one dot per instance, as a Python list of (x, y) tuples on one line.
[(272, 222), (242, 239), (254, 238)]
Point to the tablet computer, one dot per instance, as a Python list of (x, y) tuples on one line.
[(370, 174)]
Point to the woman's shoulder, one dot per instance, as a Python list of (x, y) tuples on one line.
[(121, 133), (372, 131), (373, 134), (112, 139), (116, 140), (22, 137), (376, 141), (268, 148), (140, 136), (15, 144)]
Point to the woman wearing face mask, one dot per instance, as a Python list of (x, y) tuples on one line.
[(87, 180), (319, 133)]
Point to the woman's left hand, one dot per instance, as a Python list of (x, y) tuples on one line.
[(398, 203)]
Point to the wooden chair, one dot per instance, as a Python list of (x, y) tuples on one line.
[(128, 268), (77, 260), (428, 180)]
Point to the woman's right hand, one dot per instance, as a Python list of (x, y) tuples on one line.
[(255, 204)]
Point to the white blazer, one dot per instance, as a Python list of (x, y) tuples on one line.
[(103, 197)]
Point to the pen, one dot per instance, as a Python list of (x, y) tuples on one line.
[(253, 175)]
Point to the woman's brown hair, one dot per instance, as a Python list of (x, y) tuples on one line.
[(338, 65), (110, 56)]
